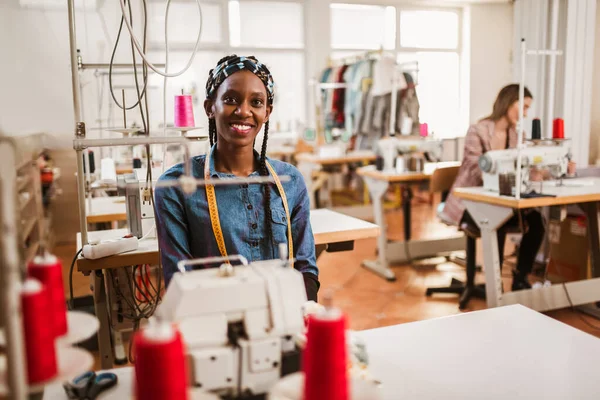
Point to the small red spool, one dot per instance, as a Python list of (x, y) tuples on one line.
[(48, 270), (558, 129), (325, 358), (160, 364), (39, 332)]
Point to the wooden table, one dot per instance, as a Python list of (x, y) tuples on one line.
[(309, 163), (394, 251), (503, 353), (106, 209), (491, 211), (332, 232), (284, 152)]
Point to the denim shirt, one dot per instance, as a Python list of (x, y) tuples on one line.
[(185, 230)]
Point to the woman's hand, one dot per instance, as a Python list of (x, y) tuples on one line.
[(535, 175), (571, 168)]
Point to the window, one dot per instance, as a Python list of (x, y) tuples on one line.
[(429, 37), (357, 26), (183, 23), (438, 90), (429, 29), (268, 24), (437, 53)]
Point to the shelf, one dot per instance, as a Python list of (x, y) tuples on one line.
[(29, 225), (24, 181), (31, 252)]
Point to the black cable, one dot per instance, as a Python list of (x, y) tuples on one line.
[(71, 278), (112, 59), (135, 74)]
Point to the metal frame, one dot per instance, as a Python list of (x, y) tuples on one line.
[(490, 218), (10, 273)]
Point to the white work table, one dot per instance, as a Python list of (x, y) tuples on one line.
[(329, 227), (106, 209), (509, 352), (491, 211), (388, 251)]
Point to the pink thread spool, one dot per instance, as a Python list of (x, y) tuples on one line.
[(424, 130), (184, 111)]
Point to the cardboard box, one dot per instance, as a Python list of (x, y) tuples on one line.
[(569, 250)]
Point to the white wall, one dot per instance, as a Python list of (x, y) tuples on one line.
[(491, 48), (595, 117)]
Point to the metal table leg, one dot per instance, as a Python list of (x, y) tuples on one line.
[(100, 307), (489, 218), (407, 196), (591, 214), (320, 248), (377, 188)]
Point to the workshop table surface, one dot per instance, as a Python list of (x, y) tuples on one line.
[(575, 190), (408, 176), (507, 352), (350, 157), (106, 209), (328, 227)]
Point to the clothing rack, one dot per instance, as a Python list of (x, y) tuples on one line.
[(319, 87)]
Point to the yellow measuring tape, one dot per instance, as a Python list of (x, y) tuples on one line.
[(213, 210)]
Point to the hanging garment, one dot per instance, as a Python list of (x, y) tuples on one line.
[(354, 77), (384, 71), (338, 103)]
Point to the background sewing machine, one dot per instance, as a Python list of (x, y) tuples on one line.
[(239, 323), (396, 152), (496, 162)]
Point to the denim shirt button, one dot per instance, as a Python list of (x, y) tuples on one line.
[(245, 185), (250, 207), (254, 226)]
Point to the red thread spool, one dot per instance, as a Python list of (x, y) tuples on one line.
[(325, 358), (48, 270), (184, 111), (39, 332), (558, 129), (160, 365)]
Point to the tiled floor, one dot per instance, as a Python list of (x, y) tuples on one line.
[(371, 302)]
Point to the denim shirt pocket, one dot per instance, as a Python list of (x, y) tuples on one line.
[(279, 225)]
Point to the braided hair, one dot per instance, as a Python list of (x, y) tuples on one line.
[(225, 67)]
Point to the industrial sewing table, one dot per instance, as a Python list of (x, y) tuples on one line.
[(395, 252), (490, 211), (309, 163), (508, 352), (332, 232)]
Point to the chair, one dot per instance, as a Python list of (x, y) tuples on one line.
[(441, 182)]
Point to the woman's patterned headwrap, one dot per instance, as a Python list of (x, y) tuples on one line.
[(235, 64)]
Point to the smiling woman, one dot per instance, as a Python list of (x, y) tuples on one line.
[(249, 220)]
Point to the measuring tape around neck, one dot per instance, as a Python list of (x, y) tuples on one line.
[(213, 210)]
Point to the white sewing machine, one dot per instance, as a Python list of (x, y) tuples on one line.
[(239, 323), (390, 148), (495, 162)]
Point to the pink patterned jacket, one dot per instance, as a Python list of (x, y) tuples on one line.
[(477, 142)]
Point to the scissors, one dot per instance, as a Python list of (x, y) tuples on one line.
[(89, 385)]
